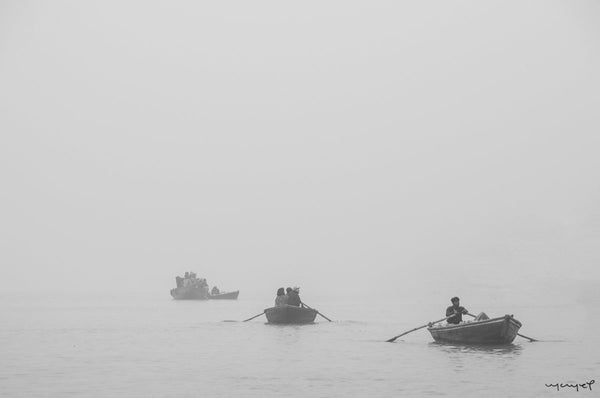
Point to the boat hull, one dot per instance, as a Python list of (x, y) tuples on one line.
[(502, 330), (224, 296), (289, 314), (189, 293)]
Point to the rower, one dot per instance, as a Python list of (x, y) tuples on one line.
[(294, 296), (456, 309)]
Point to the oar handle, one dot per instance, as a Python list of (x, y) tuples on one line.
[(420, 327)]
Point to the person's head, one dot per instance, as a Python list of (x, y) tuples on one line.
[(455, 301), (288, 289), (280, 292), (187, 274), (296, 290)]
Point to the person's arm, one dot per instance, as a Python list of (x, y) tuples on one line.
[(464, 310), (450, 311)]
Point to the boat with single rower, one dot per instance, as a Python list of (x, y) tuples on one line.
[(501, 330)]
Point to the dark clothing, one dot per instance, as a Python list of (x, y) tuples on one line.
[(179, 281), (293, 299), (458, 317)]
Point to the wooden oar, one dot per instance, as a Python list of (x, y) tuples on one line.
[(306, 305), (525, 337), (255, 316), (420, 327), (518, 334)]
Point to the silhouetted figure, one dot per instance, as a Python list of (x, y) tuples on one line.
[(215, 290), (293, 296), (455, 308), (281, 299), (179, 281)]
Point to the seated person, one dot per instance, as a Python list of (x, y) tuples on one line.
[(281, 300), (215, 290), (456, 309), (294, 296)]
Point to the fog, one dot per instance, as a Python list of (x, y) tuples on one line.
[(338, 146)]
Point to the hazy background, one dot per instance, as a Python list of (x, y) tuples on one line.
[(347, 146)]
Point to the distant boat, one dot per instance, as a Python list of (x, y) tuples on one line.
[(224, 296), (190, 293), (290, 315), (502, 330)]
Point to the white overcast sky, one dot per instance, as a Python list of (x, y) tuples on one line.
[(330, 144)]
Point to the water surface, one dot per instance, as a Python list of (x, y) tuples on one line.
[(148, 345)]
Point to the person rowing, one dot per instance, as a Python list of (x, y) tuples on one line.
[(294, 296), (457, 310)]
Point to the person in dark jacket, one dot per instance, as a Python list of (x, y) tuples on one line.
[(293, 296), (456, 309)]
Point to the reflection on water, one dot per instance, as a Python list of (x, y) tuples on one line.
[(460, 357), (491, 349)]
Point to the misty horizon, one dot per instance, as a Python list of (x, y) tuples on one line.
[(371, 147)]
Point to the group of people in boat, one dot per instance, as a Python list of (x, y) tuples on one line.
[(190, 279), (288, 296), (457, 311)]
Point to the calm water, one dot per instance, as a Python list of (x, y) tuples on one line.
[(147, 345)]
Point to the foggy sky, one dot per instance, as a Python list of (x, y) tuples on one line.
[(371, 145)]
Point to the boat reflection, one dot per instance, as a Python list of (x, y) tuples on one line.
[(504, 349)]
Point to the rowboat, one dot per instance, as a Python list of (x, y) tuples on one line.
[(501, 330), (190, 293), (290, 314), (224, 296)]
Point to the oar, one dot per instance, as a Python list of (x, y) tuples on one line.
[(528, 338), (518, 334), (306, 305), (420, 327), (255, 316)]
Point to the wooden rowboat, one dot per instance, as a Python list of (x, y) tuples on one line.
[(502, 330), (290, 314), (224, 296)]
